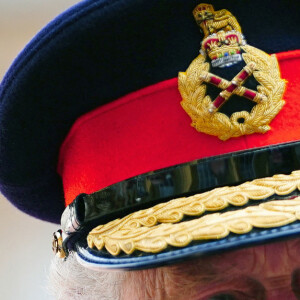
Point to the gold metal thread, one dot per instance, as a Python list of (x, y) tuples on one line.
[(153, 229), (196, 103)]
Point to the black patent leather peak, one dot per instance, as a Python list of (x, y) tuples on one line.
[(186, 179)]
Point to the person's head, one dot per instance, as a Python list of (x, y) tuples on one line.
[(167, 185), (262, 272)]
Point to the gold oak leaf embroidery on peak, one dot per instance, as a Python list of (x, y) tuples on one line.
[(214, 226), (149, 230)]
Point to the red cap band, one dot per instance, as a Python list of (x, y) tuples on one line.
[(148, 130)]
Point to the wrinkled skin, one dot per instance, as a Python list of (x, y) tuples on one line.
[(271, 271)]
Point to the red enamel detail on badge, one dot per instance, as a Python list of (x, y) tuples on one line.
[(243, 75), (215, 80), (219, 101), (249, 94), (231, 88)]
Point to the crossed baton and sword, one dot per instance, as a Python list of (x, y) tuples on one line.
[(233, 87)]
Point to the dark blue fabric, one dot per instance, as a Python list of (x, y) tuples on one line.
[(94, 53)]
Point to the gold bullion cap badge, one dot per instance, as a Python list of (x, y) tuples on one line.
[(224, 46)]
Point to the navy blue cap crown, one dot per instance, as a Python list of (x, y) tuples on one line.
[(92, 54)]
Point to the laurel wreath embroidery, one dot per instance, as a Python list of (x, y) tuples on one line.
[(196, 103), (214, 226), (153, 229)]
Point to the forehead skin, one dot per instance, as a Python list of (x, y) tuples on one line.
[(264, 272)]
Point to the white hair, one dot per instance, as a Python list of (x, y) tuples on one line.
[(70, 280)]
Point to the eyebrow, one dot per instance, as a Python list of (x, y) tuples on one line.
[(205, 281), (205, 268), (211, 271), (204, 271), (295, 282)]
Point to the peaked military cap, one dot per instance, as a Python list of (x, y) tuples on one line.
[(150, 151)]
